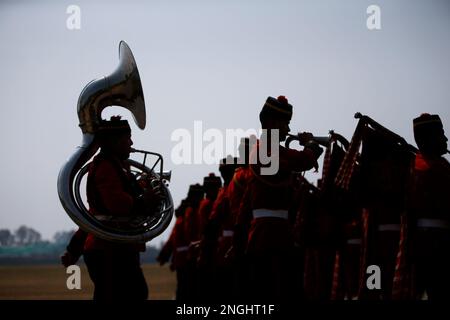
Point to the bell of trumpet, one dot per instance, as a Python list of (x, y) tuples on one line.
[(121, 88)]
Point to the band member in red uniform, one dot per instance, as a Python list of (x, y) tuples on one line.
[(211, 184), (112, 190), (214, 237), (385, 170), (267, 200), (235, 192), (241, 177), (205, 272), (220, 212), (431, 209), (191, 233), (177, 247)]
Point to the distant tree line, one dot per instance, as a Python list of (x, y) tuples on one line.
[(25, 236), (25, 245)]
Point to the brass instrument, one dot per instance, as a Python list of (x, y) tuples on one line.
[(121, 88), (322, 140)]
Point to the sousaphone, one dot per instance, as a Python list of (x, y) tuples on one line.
[(121, 88)]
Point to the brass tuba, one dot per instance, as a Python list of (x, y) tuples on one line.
[(121, 88)]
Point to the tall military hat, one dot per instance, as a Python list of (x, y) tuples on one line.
[(227, 162), (195, 190), (276, 108), (429, 134), (227, 166), (179, 211), (110, 130), (212, 180), (245, 148), (114, 125), (427, 126)]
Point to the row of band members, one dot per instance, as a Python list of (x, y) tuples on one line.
[(247, 239)]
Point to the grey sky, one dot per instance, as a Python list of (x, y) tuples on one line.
[(215, 61)]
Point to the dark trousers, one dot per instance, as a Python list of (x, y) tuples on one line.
[(386, 255), (117, 275), (182, 293), (433, 264), (351, 256), (223, 282), (273, 277)]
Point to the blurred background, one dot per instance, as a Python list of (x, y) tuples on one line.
[(209, 61)]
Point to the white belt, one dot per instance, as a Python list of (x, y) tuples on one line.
[(433, 223), (227, 233), (354, 241), (195, 244), (265, 213), (181, 249), (389, 227)]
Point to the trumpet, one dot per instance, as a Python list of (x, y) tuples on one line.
[(322, 140)]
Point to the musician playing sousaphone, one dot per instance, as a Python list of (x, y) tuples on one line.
[(265, 205), (127, 207), (430, 209), (113, 190)]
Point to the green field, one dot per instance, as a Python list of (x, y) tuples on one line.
[(49, 282)]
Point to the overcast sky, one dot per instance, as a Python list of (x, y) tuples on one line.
[(214, 61)]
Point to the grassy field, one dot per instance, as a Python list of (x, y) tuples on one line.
[(49, 282)]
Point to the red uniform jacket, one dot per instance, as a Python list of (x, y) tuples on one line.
[(236, 190), (168, 249), (225, 211), (190, 225), (217, 212), (177, 245), (431, 188), (181, 243), (219, 221), (110, 191), (272, 234), (204, 211)]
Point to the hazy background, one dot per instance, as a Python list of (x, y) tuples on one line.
[(215, 61)]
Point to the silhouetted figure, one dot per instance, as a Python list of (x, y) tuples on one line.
[(431, 209), (177, 248), (213, 238), (385, 168), (265, 204), (205, 271), (191, 233), (113, 191)]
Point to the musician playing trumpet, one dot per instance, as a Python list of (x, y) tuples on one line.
[(264, 212)]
